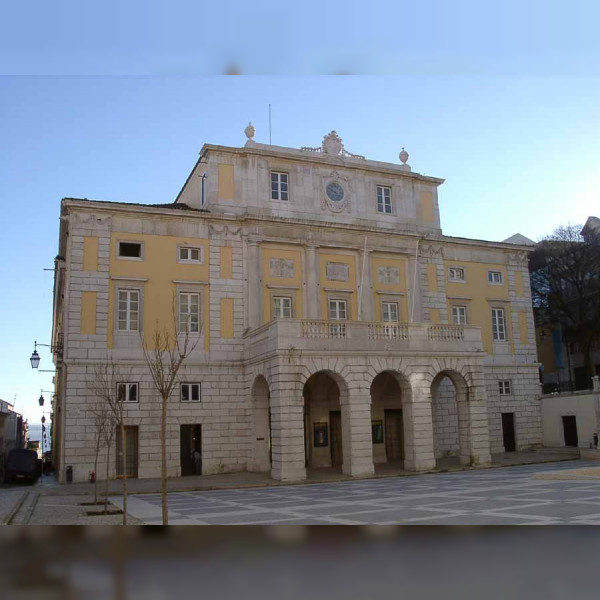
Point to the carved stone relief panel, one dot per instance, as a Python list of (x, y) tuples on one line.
[(389, 275), (337, 271), (282, 267)]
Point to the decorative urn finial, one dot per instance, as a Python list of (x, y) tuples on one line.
[(403, 156), (250, 131)]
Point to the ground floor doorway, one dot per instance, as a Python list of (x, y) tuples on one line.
[(190, 449), (394, 435), (570, 430), (131, 452), (508, 432)]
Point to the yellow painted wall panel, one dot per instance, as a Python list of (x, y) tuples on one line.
[(87, 325), (347, 288), (226, 318), (426, 212), (432, 282), (435, 315), (90, 253), (519, 284), (384, 286), (160, 267), (226, 182), (524, 333), (226, 262)]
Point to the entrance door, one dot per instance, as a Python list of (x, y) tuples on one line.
[(190, 449), (394, 435), (508, 432), (570, 430), (131, 445), (335, 432)]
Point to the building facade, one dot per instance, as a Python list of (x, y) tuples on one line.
[(335, 325)]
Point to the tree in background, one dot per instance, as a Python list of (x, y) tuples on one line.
[(565, 286)]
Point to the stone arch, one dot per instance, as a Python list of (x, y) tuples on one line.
[(450, 416), (325, 393), (261, 424), (390, 392)]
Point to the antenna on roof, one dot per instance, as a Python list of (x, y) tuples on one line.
[(269, 124)]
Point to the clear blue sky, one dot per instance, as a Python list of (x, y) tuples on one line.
[(115, 105)]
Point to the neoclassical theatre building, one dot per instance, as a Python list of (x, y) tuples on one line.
[(336, 325)]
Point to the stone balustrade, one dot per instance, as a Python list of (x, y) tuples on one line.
[(362, 336)]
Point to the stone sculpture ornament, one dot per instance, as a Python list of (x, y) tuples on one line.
[(250, 131)]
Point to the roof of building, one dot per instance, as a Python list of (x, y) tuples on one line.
[(170, 205), (519, 239), (592, 223)]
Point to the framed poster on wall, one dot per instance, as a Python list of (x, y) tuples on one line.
[(321, 435)]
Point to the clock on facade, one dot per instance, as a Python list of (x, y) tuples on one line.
[(335, 192)]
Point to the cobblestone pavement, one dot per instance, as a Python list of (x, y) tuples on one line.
[(506, 496), (9, 499)]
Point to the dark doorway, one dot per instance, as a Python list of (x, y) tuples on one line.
[(335, 432), (394, 434), (570, 430), (131, 446), (582, 381), (508, 432), (190, 447)]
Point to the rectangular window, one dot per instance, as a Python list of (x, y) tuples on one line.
[(459, 315), (338, 312), (130, 250), (495, 277), (190, 254), (189, 312), (279, 186), (504, 387), (389, 312), (190, 392), (127, 392), (384, 199), (129, 310), (498, 325), (456, 274), (282, 307)]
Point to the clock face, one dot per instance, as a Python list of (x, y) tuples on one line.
[(335, 192)]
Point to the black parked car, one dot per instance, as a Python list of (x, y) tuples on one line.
[(22, 465)]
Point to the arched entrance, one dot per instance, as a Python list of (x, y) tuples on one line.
[(451, 421), (387, 420), (322, 422), (261, 460)]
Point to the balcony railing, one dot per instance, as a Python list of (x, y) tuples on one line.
[(308, 334)]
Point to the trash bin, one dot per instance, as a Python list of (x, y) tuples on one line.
[(70, 474)]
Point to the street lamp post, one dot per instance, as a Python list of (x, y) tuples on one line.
[(35, 357)]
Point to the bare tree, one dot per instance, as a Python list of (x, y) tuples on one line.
[(104, 387), (565, 286), (102, 416), (165, 350)]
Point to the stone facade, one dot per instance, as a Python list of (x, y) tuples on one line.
[(369, 348)]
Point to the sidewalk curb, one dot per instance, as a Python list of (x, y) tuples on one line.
[(15, 509)]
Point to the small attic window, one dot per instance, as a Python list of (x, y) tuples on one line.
[(130, 250)]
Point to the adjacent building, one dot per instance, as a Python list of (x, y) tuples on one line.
[(336, 326), (13, 431)]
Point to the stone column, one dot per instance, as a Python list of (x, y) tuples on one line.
[(366, 290), (357, 443), (254, 285), (418, 429), (479, 432), (312, 283), (414, 291), (287, 433)]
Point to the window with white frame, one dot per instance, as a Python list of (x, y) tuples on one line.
[(190, 254), (504, 387), (129, 310), (127, 392), (189, 311), (190, 392), (495, 277), (384, 199), (338, 311), (456, 274), (282, 307), (498, 325), (389, 312), (459, 315), (130, 250), (279, 185)]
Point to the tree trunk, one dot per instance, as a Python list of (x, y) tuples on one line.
[(108, 445), (163, 466), (589, 367), (124, 475), (96, 468)]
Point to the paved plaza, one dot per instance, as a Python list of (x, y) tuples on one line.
[(501, 496)]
